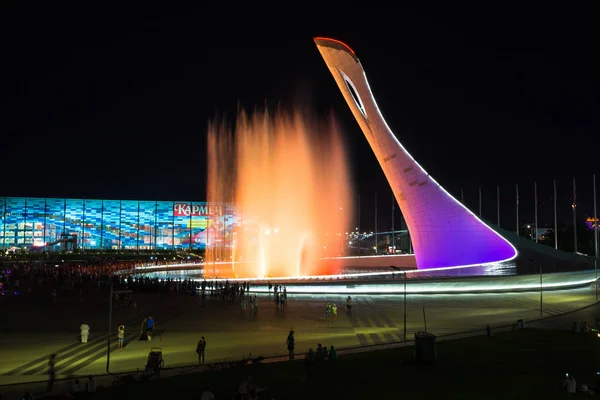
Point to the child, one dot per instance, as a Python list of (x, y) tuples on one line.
[(120, 335)]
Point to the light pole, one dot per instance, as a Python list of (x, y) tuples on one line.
[(517, 204), (555, 220), (596, 273), (535, 210), (375, 224), (358, 226), (393, 234), (109, 328), (498, 203), (574, 206), (405, 306), (595, 240), (479, 201), (541, 292)]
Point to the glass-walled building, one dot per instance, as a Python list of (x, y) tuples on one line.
[(114, 224)]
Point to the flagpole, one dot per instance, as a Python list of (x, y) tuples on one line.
[(498, 204), (555, 220), (410, 249), (574, 206), (517, 195), (479, 201), (375, 224), (595, 219), (536, 211), (393, 233), (595, 240), (358, 226)]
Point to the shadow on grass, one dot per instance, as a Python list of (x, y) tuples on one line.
[(528, 363)]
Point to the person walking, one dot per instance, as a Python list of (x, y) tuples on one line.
[(150, 327), (85, 331), (144, 329), (291, 344), (120, 335), (200, 350)]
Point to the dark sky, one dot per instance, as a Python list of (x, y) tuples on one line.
[(114, 102)]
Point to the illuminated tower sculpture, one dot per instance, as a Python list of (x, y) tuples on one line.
[(444, 233)]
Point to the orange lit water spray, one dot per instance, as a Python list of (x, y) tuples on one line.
[(287, 177)]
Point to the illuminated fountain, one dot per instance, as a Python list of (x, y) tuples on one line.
[(287, 177)]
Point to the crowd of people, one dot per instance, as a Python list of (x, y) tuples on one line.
[(323, 353), (74, 277), (65, 274), (19, 278)]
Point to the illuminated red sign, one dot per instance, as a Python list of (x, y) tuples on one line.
[(196, 210)]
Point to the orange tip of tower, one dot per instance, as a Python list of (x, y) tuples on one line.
[(335, 41)]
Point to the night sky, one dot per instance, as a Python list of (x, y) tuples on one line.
[(114, 103)]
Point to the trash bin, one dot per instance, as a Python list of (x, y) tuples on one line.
[(425, 347)]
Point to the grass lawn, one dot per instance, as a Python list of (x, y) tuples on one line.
[(525, 364)]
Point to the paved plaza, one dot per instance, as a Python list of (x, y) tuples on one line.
[(34, 328)]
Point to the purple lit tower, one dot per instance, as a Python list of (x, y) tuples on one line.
[(444, 233)]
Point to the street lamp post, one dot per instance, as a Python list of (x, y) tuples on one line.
[(375, 224), (405, 306), (393, 234), (541, 292), (596, 273)]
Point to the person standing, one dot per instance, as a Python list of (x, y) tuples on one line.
[(85, 331), (291, 344), (51, 372), (200, 350), (91, 385), (143, 330), (77, 387), (120, 336), (150, 326), (349, 306), (243, 306)]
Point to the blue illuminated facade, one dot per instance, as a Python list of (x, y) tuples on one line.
[(114, 224)]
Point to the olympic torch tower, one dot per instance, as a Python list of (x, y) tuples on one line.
[(444, 232)]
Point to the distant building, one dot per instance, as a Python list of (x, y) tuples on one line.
[(543, 232), (45, 223)]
